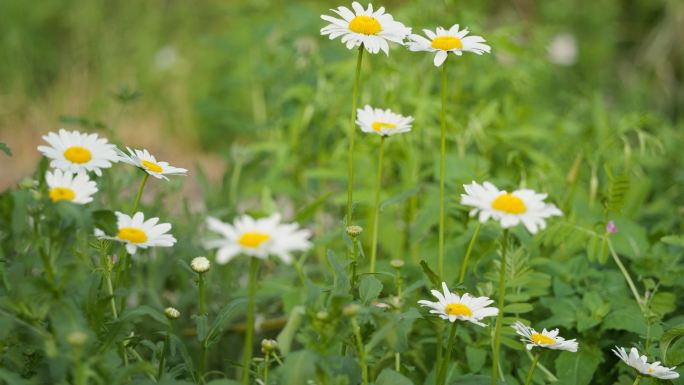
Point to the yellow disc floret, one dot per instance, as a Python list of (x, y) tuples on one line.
[(253, 239), (366, 25), (62, 194), (151, 166), (131, 234), (447, 43), (540, 339), (378, 126), (509, 203), (77, 154), (458, 309)]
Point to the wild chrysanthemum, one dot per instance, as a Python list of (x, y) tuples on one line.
[(640, 363), (382, 122), (76, 152), (373, 29), (66, 186), (450, 306), (510, 209), (136, 232), (545, 339), (148, 163), (443, 41), (257, 238)]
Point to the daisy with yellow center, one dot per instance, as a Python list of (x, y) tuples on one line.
[(445, 41), (640, 363), (136, 232), (372, 29), (382, 122), (66, 186), (148, 163), (75, 152), (544, 339), (450, 306)]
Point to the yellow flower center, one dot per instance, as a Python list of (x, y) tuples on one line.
[(509, 203), (253, 239), (541, 339), (131, 234), (62, 194), (78, 154), (650, 370), (447, 43), (458, 309), (366, 25), (151, 166), (377, 126)]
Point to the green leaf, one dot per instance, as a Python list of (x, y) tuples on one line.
[(134, 315), (300, 367), (577, 368), (369, 289), (476, 358), (105, 220), (518, 308), (390, 377), (666, 340), (202, 325), (288, 333), (399, 198), (473, 380), (229, 312), (434, 278), (675, 240), (5, 148), (308, 211), (341, 283)]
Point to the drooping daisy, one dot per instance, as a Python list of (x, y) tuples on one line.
[(148, 163), (640, 363), (382, 122), (257, 238), (444, 41), (450, 306), (363, 26), (76, 152), (136, 232), (545, 339), (510, 209), (66, 186)]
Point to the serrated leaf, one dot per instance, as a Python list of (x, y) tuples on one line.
[(369, 289)]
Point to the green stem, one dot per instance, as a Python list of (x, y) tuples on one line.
[(441, 376), (637, 380), (547, 372), (442, 172), (354, 264), (499, 317), (530, 374), (376, 208), (267, 363), (352, 131), (251, 305), (202, 312), (466, 259), (112, 302), (625, 273), (397, 362), (361, 351), (165, 347), (138, 196)]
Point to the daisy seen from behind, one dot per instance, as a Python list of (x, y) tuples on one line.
[(382, 122), (640, 363), (136, 232), (545, 339), (445, 41), (70, 187), (78, 152), (148, 163), (450, 306)]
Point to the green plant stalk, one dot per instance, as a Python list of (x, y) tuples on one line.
[(399, 283), (499, 317), (442, 172), (138, 196), (530, 373), (548, 373), (376, 207), (251, 305), (361, 351), (444, 365), (202, 311), (625, 273), (267, 363), (637, 380), (352, 132), (165, 347), (469, 250), (354, 265), (112, 302)]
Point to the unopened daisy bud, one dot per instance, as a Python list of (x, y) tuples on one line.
[(354, 230), (172, 313), (268, 346), (77, 338), (611, 227), (322, 315), (200, 264), (351, 310), (397, 263)]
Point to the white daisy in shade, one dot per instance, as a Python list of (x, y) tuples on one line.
[(450, 306), (67, 186), (257, 238), (443, 41), (148, 163), (373, 29), (76, 152), (545, 339), (136, 232), (510, 209), (382, 122), (640, 363)]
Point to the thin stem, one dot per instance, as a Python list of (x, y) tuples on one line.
[(354, 264), (397, 362), (499, 317), (165, 347), (202, 311), (530, 374), (548, 373), (441, 376), (112, 302), (361, 352), (352, 131), (442, 172), (267, 362), (136, 202), (251, 305), (625, 273), (637, 380), (376, 208), (466, 259)]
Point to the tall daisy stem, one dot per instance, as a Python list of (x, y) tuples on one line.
[(499, 317), (441, 376), (376, 208), (625, 273), (466, 259), (138, 196), (442, 172), (637, 380), (530, 373), (202, 312), (165, 347), (352, 131), (361, 351), (251, 306)]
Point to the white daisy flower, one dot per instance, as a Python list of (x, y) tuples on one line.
[(444, 41), (545, 339), (148, 163), (382, 122), (510, 209), (257, 238), (76, 152), (452, 307), (66, 186), (137, 232), (363, 26), (640, 363)]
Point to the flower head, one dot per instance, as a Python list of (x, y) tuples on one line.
[(66, 186), (373, 29), (76, 152), (640, 363), (510, 209), (611, 227), (450, 306), (148, 163), (443, 41), (545, 339), (137, 232), (200, 264), (172, 313), (257, 238), (382, 122)]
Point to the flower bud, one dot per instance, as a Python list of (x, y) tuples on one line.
[(611, 227), (397, 263), (322, 315), (354, 230), (268, 346), (172, 313), (77, 338), (351, 310), (200, 264)]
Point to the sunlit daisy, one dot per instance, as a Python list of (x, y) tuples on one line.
[(382, 122), (136, 232), (545, 339), (66, 186), (510, 209), (148, 163), (444, 41), (257, 238), (640, 363), (76, 152), (364, 26), (452, 307)]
